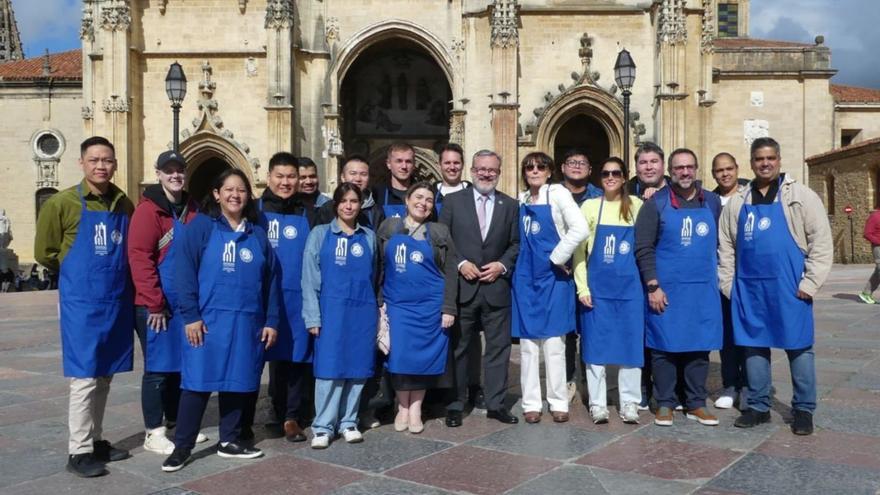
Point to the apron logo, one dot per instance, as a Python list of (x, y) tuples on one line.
[(273, 232), (624, 247), (702, 229), (357, 250), (530, 226), (687, 231), (764, 223), (290, 232), (396, 215), (610, 248), (229, 256), (246, 255), (400, 258), (101, 239), (416, 257), (749, 228), (341, 250)]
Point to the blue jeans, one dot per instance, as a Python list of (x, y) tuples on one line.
[(803, 378), (692, 367), (336, 404)]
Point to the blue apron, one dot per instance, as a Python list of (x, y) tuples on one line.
[(393, 210), (231, 305), (287, 235), (163, 348), (413, 291), (543, 295), (346, 346), (687, 270), (614, 329), (95, 297), (769, 267)]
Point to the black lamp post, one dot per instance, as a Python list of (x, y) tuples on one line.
[(625, 76), (175, 88)]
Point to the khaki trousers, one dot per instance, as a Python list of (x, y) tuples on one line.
[(88, 399)]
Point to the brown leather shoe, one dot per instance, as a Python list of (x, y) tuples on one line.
[(559, 416), (293, 432), (532, 417)]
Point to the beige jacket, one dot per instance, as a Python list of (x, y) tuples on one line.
[(807, 222)]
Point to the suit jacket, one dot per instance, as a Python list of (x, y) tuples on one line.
[(502, 242)]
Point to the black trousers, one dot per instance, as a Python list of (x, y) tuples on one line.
[(192, 409), (694, 367), (289, 389), (495, 323)]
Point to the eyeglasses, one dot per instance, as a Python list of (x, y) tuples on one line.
[(487, 171), (532, 166), (577, 164), (617, 174), (682, 168)]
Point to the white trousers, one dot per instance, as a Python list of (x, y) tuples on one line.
[(88, 399), (530, 374), (629, 384)]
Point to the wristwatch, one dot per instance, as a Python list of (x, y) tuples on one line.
[(652, 288)]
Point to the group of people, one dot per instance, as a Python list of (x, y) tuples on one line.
[(401, 289)]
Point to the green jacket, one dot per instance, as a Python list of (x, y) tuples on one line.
[(59, 217)]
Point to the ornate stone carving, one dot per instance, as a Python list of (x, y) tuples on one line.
[(333, 141), (331, 29), (588, 75), (456, 127), (115, 104), (753, 129), (279, 14), (116, 16), (87, 113), (242, 6), (504, 23), (707, 37), (672, 23), (250, 67), (162, 5), (87, 28)]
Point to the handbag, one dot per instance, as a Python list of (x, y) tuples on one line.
[(383, 333)]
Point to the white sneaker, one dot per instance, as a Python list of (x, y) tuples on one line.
[(679, 407), (352, 435), (320, 441), (724, 402), (629, 413), (201, 438), (599, 414), (156, 441)]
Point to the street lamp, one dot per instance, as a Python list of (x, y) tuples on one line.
[(175, 88), (625, 76)]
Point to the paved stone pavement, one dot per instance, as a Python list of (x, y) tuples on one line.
[(482, 457)]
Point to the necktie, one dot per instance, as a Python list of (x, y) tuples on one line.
[(481, 215)]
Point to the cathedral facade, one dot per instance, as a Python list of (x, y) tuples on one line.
[(328, 78)]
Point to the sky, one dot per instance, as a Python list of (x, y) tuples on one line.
[(849, 26)]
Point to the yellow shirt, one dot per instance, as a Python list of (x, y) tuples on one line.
[(610, 216)]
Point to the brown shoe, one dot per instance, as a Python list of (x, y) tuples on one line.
[(532, 417), (663, 417), (293, 432), (702, 415), (559, 416)]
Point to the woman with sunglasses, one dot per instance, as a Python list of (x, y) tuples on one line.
[(551, 227), (612, 302)]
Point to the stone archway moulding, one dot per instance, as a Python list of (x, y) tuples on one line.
[(581, 100), (204, 145)]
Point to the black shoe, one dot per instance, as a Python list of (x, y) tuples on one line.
[(85, 466), (476, 397), (750, 418), (803, 423), (176, 460), (453, 419), (105, 452), (233, 450), (503, 415)]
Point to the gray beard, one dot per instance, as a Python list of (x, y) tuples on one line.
[(484, 190)]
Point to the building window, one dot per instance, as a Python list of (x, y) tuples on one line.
[(849, 136), (48, 146), (829, 194), (42, 195), (728, 20)]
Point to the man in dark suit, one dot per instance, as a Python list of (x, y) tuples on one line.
[(483, 223)]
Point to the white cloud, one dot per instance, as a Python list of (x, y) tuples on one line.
[(46, 23)]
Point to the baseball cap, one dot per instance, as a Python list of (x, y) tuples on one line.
[(169, 156)]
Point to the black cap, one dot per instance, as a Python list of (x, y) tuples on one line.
[(169, 156)]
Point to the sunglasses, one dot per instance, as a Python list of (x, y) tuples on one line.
[(612, 173), (532, 166)]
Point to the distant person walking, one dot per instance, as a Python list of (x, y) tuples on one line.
[(872, 234)]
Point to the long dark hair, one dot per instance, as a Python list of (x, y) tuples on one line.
[(341, 191), (211, 206), (626, 213)]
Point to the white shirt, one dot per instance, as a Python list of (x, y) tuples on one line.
[(567, 217), (447, 190)]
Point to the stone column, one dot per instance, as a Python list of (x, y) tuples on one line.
[(87, 35), (279, 64), (671, 41), (505, 93)]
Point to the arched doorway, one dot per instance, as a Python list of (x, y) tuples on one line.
[(202, 176), (584, 132), (394, 91)]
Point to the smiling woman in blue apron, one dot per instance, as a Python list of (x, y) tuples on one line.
[(339, 309), (158, 220), (550, 228), (418, 274), (228, 298), (612, 301), (81, 232)]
